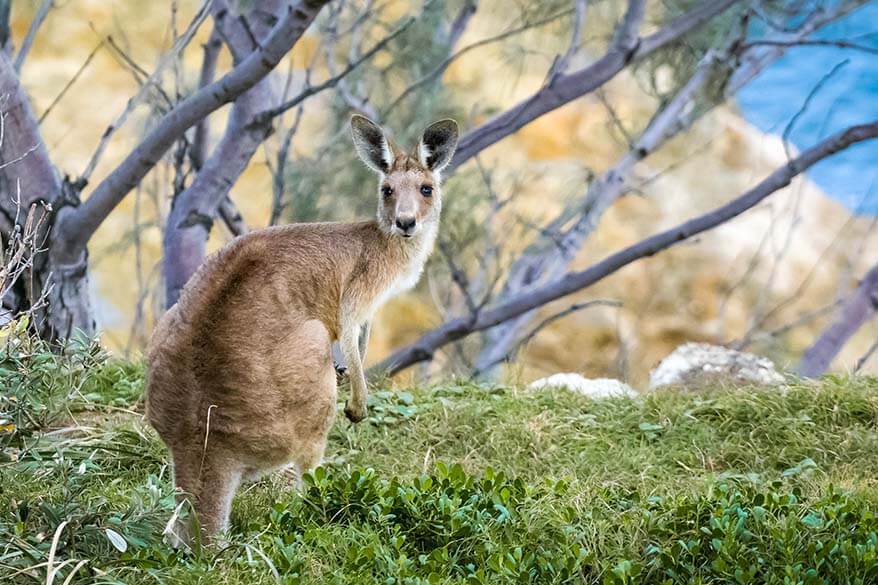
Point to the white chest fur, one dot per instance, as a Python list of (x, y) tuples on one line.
[(408, 277)]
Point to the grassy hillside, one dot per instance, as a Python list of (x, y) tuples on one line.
[(456, 483)]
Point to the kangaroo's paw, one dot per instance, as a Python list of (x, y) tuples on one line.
[(354, 413)]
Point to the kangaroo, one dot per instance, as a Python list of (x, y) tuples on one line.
[(240, 375)]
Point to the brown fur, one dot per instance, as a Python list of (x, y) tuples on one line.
[(241, 379)]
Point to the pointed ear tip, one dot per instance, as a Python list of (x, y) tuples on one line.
[(358, 120), (447, 123)]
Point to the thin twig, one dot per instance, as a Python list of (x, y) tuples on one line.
[(562, 62), (458, 275), (279, 174), (332, 81), (441, 67), (70, 83), (545, 323), (152, 80), (808, 99), (28, 41), (812, 43), (865, 357)]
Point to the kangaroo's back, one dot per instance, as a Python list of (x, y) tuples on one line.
[(240, 307)]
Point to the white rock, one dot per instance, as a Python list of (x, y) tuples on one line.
[(593, 388), (695, 362)]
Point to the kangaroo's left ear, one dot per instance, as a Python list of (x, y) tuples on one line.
[(371, 144), (437, 144)]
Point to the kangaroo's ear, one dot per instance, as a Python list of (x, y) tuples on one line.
[(437, 144), (371, 144)]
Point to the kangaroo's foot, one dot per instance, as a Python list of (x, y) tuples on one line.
[(178, 531)]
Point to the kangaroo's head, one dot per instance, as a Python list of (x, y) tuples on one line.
[(409, 197)]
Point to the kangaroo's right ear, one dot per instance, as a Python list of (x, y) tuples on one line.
[(371, 144)]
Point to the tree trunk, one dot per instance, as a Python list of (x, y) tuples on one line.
[(194, 209), (69, 312), (29, 178)]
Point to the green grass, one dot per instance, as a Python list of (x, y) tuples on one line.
[(455, 483)]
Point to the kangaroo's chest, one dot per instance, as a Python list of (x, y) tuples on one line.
[(405, 278), (399, 283)]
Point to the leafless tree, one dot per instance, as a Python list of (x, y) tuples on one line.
[(716, 54), (74, 219), (720, 73)]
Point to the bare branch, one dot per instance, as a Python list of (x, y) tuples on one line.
[(212, 47), (146, 84), (279, 180), (574, 308), (802, 319), (857, 309), (70, 83), (461, 21), (562, 62), (865, 357), (232, 218), (424, 348), (353, 98), (441, 67), (812, 43), (550, 255), (754, 60), (626, 48), (808, 99), (39, 17), (79, 226), (458, 276), (332, 81)]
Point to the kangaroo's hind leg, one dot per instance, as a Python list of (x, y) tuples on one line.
[(209, 483), (178, 532), (314, 385)]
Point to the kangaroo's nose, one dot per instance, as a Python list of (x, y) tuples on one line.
[(406, 224)]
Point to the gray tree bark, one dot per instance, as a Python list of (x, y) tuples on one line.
[(29, 178), (858, 309), (194, 209)]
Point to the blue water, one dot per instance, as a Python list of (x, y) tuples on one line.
[(849, 96)]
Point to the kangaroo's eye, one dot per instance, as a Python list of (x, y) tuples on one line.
[(387, 191), (426, 190)]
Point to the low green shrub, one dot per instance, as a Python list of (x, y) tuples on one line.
[(434, 528), (721, 486)]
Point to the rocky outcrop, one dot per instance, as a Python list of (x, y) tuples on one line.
[(699, 363)]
